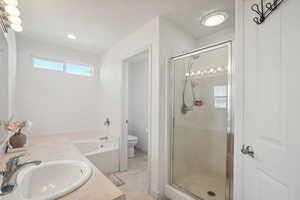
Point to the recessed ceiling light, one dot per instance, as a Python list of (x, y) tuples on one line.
[(214, 19), (72, 36)]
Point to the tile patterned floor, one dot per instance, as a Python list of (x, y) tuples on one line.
[(136, 178)]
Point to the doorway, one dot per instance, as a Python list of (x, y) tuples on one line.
[(135, 148)]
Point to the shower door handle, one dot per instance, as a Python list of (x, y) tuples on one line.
[(247, 151)]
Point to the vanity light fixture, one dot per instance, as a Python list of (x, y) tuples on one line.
[(72, 36), (9, 15), (214, 18)]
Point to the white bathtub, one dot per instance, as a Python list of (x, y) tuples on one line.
[(103, 153)]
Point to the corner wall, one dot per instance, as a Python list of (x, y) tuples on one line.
[(55, 101), (111, 84)]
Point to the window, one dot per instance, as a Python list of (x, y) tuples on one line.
[(220, 95), (48, 64), (79, 70), (76, 69)]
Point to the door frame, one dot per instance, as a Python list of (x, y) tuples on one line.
[(124, 116), (238, 78)]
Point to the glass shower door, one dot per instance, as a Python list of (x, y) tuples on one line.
[(200, 161)]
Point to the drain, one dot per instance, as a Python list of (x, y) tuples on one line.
[(211, 193)]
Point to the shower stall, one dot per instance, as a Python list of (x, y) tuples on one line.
[(201, 137)]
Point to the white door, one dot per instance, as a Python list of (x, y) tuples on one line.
[(272, 104)]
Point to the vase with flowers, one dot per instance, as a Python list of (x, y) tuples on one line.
[(17, 139)]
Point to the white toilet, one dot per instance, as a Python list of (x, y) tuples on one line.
[(132, 141)]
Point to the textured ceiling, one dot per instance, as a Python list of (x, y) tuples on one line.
[(98, 24)]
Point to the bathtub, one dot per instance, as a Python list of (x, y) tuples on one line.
[(102, 152)]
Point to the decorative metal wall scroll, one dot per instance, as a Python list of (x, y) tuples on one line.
[(264, 10)]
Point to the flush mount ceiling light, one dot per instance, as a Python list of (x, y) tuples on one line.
[(71, 36), (9, 15), (214, 18)]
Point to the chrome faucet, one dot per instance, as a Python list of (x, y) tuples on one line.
[(10, 171)]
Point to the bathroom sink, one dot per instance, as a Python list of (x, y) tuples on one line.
[(51, 180)]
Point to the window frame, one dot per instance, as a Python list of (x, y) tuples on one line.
[(64, 62), (46, 59), (216, 97), (81, 64)]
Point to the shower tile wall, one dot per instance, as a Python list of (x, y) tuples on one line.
[(200, 135)]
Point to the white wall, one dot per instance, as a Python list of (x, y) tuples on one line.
[(55, 101), (111, 87), (4, 91), (12, 63), (220, 36), (173, 41), (8, 73), (137, 101), (7, 79)]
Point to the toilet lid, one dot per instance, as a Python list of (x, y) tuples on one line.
[(132, 137)]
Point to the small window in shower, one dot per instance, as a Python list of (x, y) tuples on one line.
[(220, 95)]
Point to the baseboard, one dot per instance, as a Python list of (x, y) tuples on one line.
[(158, 195)]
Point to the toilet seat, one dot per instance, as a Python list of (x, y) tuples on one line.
[(132, 138), (132, 141)]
